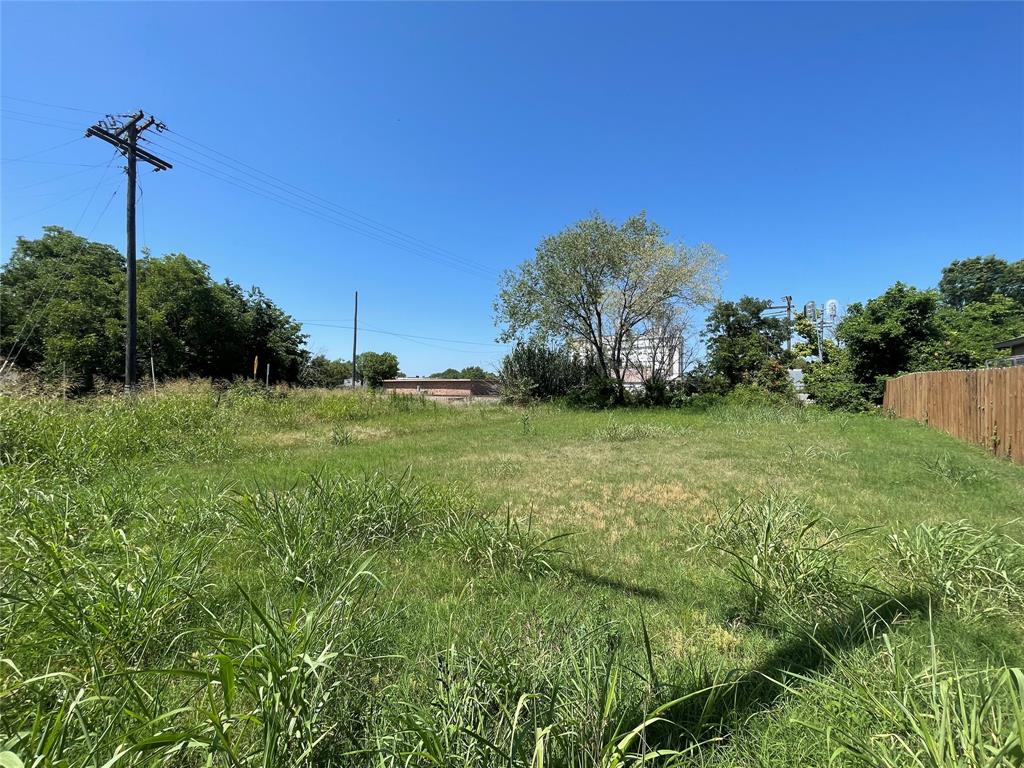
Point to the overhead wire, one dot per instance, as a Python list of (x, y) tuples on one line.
[(261, 180), (275, 189), (407, 335), (44, 151), (13, 355), (54, 106), (253, 187), (316, 199)]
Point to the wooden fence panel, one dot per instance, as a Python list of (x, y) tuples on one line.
[(985, 407)]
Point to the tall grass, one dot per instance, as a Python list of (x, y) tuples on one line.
[(938, 716), (360, 617), (970, 570), (786, 560)]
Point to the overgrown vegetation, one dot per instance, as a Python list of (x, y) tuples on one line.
[(207, 576)]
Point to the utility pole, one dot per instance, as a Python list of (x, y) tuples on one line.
[(125, 137), (789, 320), (355, 332)]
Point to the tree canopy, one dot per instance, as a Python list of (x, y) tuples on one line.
[(978, 279), (375, 367), (598, 287), (64, 297), (744, 344)]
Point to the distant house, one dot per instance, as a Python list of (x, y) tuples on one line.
[(1016, 347), (447, 388)]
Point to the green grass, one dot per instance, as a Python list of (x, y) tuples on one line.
[(238, 579)]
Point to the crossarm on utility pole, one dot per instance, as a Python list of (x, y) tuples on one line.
[(121, 144)]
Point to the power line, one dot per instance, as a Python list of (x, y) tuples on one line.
[(53, 120), (58, 178), (44, 151), (408, 335), (54, 106), (308, 201), (10, 361), (324, 202), (40, 123), (303, 207)]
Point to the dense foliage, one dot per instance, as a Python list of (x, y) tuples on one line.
[(979, 303), (469, 372), (63, 300), (745, 346), (373, 368)]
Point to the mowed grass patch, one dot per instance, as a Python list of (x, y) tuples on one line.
[(282, 578)]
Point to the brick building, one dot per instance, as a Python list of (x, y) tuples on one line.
[(462, 388)]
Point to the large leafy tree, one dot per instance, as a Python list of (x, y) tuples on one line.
[(886, 335), (272, 336), (598, 287), (63, 303), (374, 367), (321, 371), (62, 298), (744, 345), (190, 324), (978, 279)]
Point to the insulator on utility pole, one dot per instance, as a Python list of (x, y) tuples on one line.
[(124, 135)]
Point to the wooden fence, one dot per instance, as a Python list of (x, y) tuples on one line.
[(985, 407)]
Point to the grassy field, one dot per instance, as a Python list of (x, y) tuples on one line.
[(236, 579)]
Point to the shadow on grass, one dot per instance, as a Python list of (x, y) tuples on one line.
[(711, 715), (608, 582)]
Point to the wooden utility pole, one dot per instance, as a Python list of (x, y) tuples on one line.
[(789, 320), (355, 332), (125, 137)]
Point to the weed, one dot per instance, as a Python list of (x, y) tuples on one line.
[(621, 433), (970, 570), (511, 545), (941, 717), (785, 561), (952, 471)]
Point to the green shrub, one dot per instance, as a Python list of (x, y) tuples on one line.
[(942, 716), (786, 562), (969, 570)]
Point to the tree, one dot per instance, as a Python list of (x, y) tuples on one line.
[(375, 367), (63, 299), (63, 307), (743, 344), (469, 372), (598, 286), (978, 279), (475, 372), (968, 335), (321, 371), (886, 335), (190, 324), (273, 337)]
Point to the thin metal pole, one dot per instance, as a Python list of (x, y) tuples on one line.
[(152, 373), (268, 375)]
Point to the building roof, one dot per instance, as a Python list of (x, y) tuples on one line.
[(1010, 343)]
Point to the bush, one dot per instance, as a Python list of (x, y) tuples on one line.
[(966, 569), (785, 561), (533, 371), (831, 385)]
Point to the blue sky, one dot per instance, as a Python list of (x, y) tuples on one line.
[(827, 150)]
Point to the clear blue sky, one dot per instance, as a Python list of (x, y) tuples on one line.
[(827, 149)]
